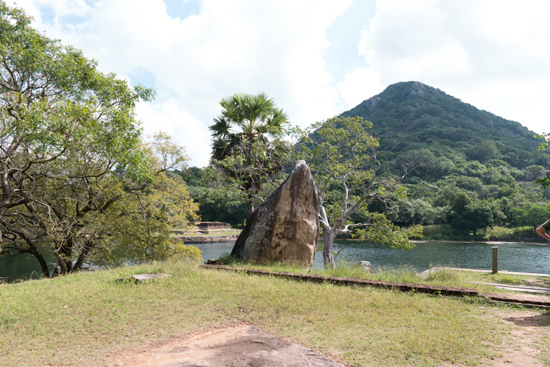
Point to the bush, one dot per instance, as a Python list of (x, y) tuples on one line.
[(497, 232), (444, 232), (526, 231)]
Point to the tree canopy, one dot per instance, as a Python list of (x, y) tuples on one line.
[(343, 159), (70, 149), (241, 148)]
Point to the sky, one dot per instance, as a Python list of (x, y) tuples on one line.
[(315, 58)]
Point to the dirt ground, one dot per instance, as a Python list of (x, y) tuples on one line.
[(524, 341), (234, 346), (242, 345)]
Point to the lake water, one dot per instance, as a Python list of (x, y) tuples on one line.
[(19, 266), (520, 257)]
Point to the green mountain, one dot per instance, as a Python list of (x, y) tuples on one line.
[(426, 117), (468, 169)]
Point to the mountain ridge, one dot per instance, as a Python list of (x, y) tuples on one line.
[(427, 117)]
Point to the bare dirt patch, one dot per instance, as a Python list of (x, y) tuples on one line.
[(240, 345), (236, 346), (522, 344)]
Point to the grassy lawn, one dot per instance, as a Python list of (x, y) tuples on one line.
[(83, 318), (407, 274)]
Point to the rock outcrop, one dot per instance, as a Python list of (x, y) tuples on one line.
[(285, 227), (365, 265)]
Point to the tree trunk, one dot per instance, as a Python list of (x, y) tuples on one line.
[(328, 238), (83, 255), (43, 264), (250, 206), (254, 189)]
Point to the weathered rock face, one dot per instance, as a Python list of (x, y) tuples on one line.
[(285, 227)]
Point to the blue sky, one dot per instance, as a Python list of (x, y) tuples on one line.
[(316, 58)]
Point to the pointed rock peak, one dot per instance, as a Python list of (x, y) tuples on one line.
[(285, 227)]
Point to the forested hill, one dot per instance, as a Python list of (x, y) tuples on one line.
[(426, 117), (472, 169)]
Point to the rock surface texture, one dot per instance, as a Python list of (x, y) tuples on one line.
[(285, 227), (238, 346)]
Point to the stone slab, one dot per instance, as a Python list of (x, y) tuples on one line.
[(518, 288), (138, 278), (241, 346), (207, 239), (523, 299)]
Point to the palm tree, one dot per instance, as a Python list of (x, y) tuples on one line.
[(247, 119)]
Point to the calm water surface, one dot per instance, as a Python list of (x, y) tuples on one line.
[(520, 257), (21, 266)]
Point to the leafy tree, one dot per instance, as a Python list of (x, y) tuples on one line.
[(252, 166), (70, 147), (425, 163), (532, 215), (218, 201), (241, 132), (465, 215), (415, 211), (341, 152), (479, 217), (485, 151), (138, 228), (533, 172), (544, 182)]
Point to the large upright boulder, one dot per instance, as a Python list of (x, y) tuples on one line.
[(285, 227)]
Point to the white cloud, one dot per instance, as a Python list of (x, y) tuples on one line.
[(169, 117), (230, 47), (360, 84), (492, 54)]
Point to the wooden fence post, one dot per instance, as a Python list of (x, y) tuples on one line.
[(495, 259)]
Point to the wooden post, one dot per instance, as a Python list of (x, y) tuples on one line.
[(495, 259)]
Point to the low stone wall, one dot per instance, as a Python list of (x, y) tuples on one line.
[(207, 239)]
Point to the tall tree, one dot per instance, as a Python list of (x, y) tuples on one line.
[(465, 215), (70, 147), (240, 136), (342, 154)]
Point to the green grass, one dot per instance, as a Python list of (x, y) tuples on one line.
[(407, 274), (83, 318)]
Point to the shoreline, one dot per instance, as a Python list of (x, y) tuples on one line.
[(487, 242), (207, 239)]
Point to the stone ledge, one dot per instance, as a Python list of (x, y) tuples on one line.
[(139, 278), (526, 300), (519, 299), (207, 239)]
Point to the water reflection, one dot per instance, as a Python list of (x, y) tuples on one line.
[(22, 266), (520, 257)]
